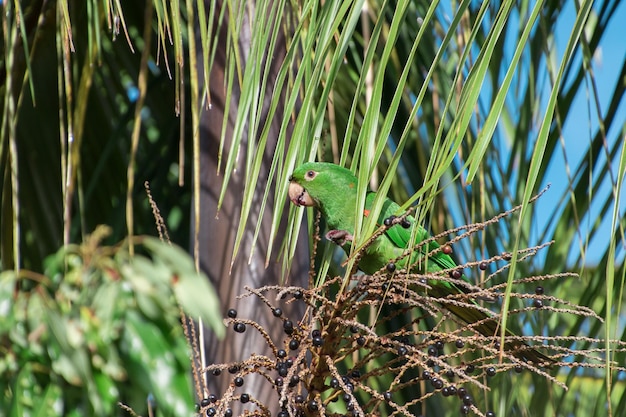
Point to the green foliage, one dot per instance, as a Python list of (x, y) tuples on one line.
[(101, 327), (459, 108)]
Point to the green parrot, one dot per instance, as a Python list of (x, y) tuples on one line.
[(333, 190)]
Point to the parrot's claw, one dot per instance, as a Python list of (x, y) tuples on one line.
[(339, 237)]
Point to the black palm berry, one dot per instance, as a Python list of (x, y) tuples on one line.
[(490, 414), (212, 398), (281, 353), (402, 351), (299, 399), (354, 329), (316, 333), (360, 341), (450, 373), (491, 371), (334, 383), (356, 374), (283, 413), (389, 221), (461, 392), (436, 383), (317, 341), (289, 362), (211, 412), (346, 398), (313, 405), (405, 223), (391, 267), (279, 381), (459, 343), (197, 408), (216, 371), (539, 290), (432, 351), (445, 391), (283, 370), (233, 369), (456, 274), (294, 344), (387, 396), (467, 400), (232, 313), (294, 381), (228, 413), (452, 390), (238, 381), (465, 409), (470, 369), (298, 294), (239, 327), (244, 398), (519, 369), (538, 303), (350, 406), (482, 266), (288, 326), (426, 375), (204, 402), (439, 345), (277, 312)]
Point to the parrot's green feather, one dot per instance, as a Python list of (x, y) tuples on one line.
[(333, 189), (398, 240)]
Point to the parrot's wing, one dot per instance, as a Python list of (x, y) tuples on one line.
[(400, 236)]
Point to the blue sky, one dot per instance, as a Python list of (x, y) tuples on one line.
[(578, 130), (582, 125)]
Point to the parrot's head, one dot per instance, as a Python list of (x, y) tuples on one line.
[(322, 184)]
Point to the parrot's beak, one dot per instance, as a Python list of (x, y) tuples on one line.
[(299, 196)]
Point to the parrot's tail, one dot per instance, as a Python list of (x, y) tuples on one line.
[(489, 327)]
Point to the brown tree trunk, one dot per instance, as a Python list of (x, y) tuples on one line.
[(217, 235)]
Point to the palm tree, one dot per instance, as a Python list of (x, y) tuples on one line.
[(458, 109)]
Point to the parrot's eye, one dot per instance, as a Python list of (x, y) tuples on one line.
[(310, 175)]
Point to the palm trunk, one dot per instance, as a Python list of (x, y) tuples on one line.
[(217, 234)]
